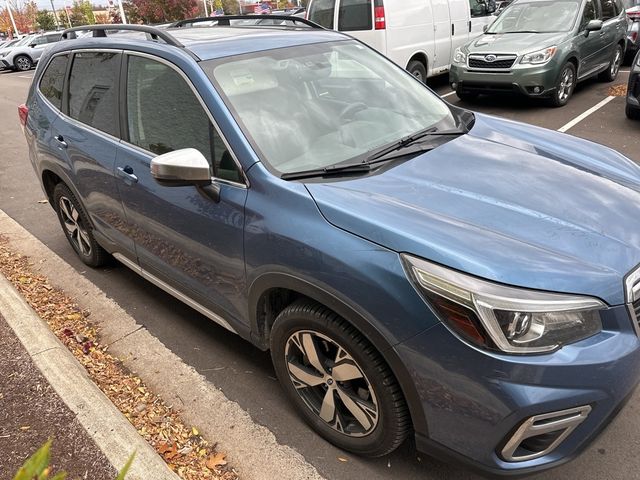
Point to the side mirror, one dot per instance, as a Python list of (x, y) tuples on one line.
[(593, 26), (32, 45), (181, 168)]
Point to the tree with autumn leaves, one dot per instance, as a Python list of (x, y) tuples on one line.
[(24, 14)]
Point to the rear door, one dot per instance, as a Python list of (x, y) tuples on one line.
[(86, 140), (610, 29), (182, 237), (460, 23), (356, 17), (442, 28)]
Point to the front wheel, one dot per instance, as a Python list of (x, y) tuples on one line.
[(632, 113), (610, 74), (338, 381), (77, 228), (565, 86), (22, 63)]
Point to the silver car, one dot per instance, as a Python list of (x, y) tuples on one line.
[(26, 53)]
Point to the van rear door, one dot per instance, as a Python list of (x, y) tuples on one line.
[(460, 24)]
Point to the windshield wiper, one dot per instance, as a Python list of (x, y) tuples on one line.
[(521, 31), (410, 140), (326, 171)]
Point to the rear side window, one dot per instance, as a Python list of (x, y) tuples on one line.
[(355, 15), (322, 12), (53, 80), (608, 10), (93, 97), (164, 114)]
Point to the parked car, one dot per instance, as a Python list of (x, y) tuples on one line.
[(9, 43), (419, 35), (543, 49), (633, 90), (633, 33), (414, 268), (25, 54)]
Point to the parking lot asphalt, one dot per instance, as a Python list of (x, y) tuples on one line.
[(244, 373)]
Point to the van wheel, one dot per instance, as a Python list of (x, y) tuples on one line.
[(418, 70), (22, 63), (338, 382), (610, 74), (565, 86), (77, 228)]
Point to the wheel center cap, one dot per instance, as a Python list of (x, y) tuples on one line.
[(330, 381)]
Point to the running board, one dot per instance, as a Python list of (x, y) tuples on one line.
[(172, 291)]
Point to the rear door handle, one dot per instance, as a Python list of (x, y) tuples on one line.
[(60, 140), (126, 173)]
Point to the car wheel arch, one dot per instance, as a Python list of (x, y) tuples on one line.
[(52, 177), (421, 57), (281, 289)]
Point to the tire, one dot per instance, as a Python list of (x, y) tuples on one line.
[(305, 327), (77, 228), (418, 70), (466, 95), (632, 113), (22, 63), (565, 86), (611, 73)]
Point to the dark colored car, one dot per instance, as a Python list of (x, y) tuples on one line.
[(633, 33), (543, 48), (632, 108), (414, 268)]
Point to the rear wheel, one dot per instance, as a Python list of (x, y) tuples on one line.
[(77, 228), (338, 381), (565, 86), (610, 74), (418, 70), (632, 113), (22, 63)]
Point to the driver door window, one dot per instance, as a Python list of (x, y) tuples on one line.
[(590, 13), (164, 114)]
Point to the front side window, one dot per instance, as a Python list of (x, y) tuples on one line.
[(322, 12), (537, 17), (355, 15), (164, 114), (590, 13), (482, 8), (53, 79), (93, 96), (313, 106), (608, 9)]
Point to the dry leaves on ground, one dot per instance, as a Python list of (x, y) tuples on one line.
[(182, 447), (618, 91)]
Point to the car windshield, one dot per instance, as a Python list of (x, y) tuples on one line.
[(314, 106), (24, 41), (537, 17)]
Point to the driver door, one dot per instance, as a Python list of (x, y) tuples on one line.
[(589, 45)]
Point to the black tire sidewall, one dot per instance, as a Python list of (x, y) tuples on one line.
[(555, 100), (416, 66), (286, 324), (96, 258)]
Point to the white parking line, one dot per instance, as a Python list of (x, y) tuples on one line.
[(447, 94), (25, 76), (584, 115)]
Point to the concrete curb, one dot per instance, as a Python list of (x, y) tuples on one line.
[(111, 431), (251, 448)]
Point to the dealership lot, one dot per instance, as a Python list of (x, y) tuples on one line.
[(244, 373)]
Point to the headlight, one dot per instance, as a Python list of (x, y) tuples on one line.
[(459, 56), (509, 319), (539, 57)]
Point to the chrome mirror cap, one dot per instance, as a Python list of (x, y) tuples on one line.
[(181, 167)]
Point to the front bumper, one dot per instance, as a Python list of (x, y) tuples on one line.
[(532, 81), (5, 64), (474, 401)]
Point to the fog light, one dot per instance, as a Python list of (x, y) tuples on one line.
[(537, 90), (454, 86)]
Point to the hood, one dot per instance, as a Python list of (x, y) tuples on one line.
[(507, 202), (517, 43)]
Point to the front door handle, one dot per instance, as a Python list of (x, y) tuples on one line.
[(126, 173), (60, 140)]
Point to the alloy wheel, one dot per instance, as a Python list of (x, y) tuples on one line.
[(566, 84), (23, 63), (73, 226), (331, 383), (617, 61)]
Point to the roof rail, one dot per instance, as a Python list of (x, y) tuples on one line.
[(101, 31), (225, 20)]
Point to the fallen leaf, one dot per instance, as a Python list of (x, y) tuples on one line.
[(25, 428), (215, 460), (43, 201), (194, 431), (342, 459)]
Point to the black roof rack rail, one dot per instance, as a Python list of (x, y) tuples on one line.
[(101, 31), (225, 20)]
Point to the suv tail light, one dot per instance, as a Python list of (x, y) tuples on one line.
[(378, 14), (23, 113)]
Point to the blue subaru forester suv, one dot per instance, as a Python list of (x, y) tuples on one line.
[(413, 267)]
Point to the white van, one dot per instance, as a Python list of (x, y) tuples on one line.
[(420, 35)]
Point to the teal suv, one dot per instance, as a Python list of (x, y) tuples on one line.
[(543, 49)]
